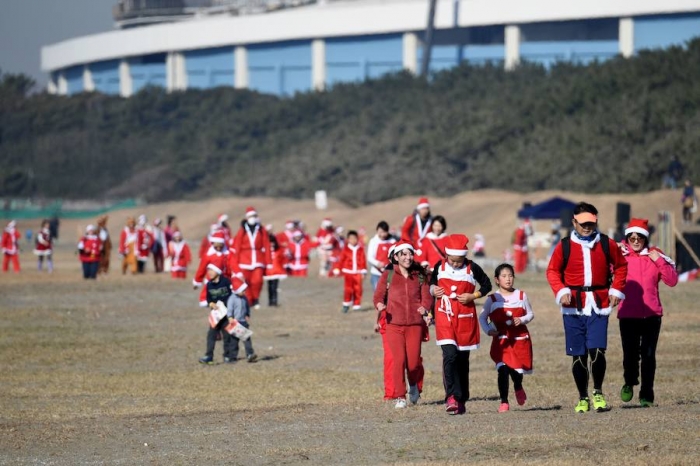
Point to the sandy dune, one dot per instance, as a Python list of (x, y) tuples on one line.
[(489, 212)]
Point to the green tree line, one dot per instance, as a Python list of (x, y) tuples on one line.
[(601, 127)]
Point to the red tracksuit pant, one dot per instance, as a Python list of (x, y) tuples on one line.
[(352, 294), (404, 342), (254, 279)]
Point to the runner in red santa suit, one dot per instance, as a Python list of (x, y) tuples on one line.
[(253, 254), (216, 255), (285, 237), (180, 256), (10, 247), (298, 253), (434, 243), (520, 251), (416, 226), (89, 249), (144, 242), (453, 284), (277, 272)]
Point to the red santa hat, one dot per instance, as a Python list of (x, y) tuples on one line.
[(177, 234), (456, 245), (250, 212), (423, 203), (638, 225), (221, 218), (217, 237), (215, 269), (90, 228), (238, 284), (326, 222), (289, 225)]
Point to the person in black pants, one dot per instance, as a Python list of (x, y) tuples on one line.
[(218, 289)]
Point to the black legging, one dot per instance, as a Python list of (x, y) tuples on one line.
[(579, 368), (639, 338)]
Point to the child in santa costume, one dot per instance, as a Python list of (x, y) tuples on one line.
[(454, 283), (43, 247), (505, 317), (127, 246), (217, 288), (253, 254), (277, 272), (434, 243), (180, 256), (417, 225), (217, 256), (144, 242), (90, 251), (10, 247), (353, 266), (298, 254)]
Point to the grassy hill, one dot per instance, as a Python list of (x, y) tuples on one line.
[(608, 127)]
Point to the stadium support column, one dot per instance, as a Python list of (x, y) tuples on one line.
[(88, 82), (241, 60), (125, 83), (512, 46), (52, 85), (318, 64), (410, 52), (62, 83), (175, 69), (626, 33)]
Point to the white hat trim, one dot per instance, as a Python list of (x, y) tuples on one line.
[(639, 230), (456, 252), (424, 205), (214, 268), (216, 239), (402, 247), (251, 213)]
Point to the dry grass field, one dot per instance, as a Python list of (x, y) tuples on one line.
[(106, 372)]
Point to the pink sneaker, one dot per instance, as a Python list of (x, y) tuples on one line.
[(504, 408), (451, 406), (521, 396)]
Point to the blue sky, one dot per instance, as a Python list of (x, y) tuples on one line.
[(26, 25)]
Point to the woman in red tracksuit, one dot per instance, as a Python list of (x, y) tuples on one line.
[(405, 303)]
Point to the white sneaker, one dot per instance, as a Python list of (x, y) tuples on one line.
[(413, 394), (400, 403), (256, 307)]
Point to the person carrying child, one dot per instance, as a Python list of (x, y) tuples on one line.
[(453, 284), (505, 317), (353, 266), (218, 288)]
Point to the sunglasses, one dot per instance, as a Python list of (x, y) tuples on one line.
[(587, 225), (636, 239)]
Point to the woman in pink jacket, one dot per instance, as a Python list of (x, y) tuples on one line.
[(640, 313)]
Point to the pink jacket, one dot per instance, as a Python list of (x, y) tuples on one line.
[(642, 288)]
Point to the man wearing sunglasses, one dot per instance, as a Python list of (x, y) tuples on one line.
[(587, 273)]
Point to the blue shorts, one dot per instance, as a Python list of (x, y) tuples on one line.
[(585, 332)]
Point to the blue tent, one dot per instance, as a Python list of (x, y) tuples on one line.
[(550, 209)]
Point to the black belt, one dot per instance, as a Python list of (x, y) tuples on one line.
[(584, 289)]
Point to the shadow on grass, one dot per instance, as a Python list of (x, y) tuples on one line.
[(270, 357), (543, 408)]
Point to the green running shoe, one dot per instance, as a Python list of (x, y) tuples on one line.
[(645, 403), (582, 406), (626, 393), (599, 403)]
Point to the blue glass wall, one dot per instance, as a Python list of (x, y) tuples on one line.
[(105, 75), (664, 31), (148, 70), (574, 41), (359, 58), (210, 68), (74, 79), (281, 69), (478, 45)]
